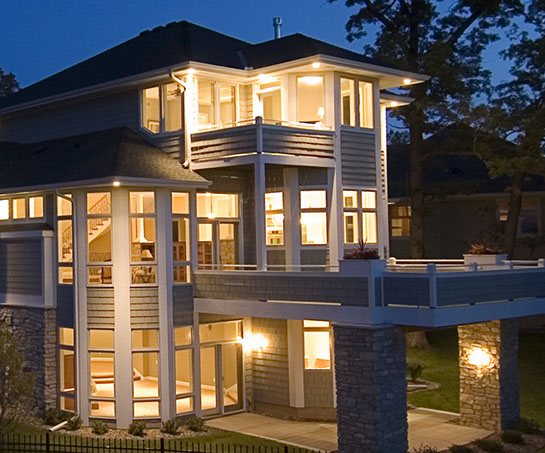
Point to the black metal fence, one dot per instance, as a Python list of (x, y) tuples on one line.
[(53, 443)]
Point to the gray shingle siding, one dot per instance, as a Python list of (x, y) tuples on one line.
[(358, 158), (21, 267), (182, 301)]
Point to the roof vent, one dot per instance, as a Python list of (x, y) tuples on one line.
[(277, 23)]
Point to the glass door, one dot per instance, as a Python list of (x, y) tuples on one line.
[(231, 358)]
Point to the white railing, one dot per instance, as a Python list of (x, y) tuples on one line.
[(294, 124), (269, 267), (456, 265)]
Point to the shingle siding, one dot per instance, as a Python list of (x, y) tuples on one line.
[(182, 301), (358, 158), (100, 307), (144, 307), (21, 267)]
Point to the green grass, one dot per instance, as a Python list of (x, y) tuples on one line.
[(441, 365)]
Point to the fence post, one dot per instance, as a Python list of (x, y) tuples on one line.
[(47, 441), (162, 445)]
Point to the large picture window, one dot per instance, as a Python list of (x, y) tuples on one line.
[(65, 245), (185, 393), (317, 345), (310, 99), (67, 370), (145, 371), (162, 108), (101, 372), (270, 96), (217, 104), (313, 217)]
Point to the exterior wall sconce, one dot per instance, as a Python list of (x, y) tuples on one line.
[(480, 358), (116, 183), (256, 343)]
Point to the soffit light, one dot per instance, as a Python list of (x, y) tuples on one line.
[(316, 64), (394, 104), (116, 183), (311, 80), (407, 81)]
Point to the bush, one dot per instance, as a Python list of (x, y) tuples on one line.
[(512, 436), (425, 449), (99, 427), (137, 429), (489, 445), (460, 449), (52, 416), (74, 423), (170, 427), (195, 423), (415, 371), (528, 426)]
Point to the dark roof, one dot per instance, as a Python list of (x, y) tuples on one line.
[(120, 153), (173, 45)]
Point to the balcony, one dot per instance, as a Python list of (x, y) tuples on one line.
[(276, 143), (414, 293)]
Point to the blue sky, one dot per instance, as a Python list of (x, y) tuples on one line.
[(39, 38)]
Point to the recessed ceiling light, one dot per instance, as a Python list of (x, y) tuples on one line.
[(394, 104), (116, 183), (407, 81), (316, 64)]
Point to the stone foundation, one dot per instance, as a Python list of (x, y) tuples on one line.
[(489, 393), (35, 332), (370, 371)]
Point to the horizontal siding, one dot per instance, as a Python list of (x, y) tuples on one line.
[(21, 266), (246, 102), (297, 142), (72, 119), (100, 307), (216, 144), (358, 158), (182, 301), (173, 145), (144, 307)]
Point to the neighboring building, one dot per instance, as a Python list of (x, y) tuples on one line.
[(172, 214)]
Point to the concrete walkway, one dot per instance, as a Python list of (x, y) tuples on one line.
[(426, 427)]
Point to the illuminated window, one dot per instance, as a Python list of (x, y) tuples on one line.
[(313, 217), (101, 373), (64, 207), (145, 371), (220, 331), (227, 105), (400, 218), (348, 103), (151, 113), (207, 114), (67, 374), (274, 218), (65, 249), (217, 205), (142, 202), (369, 217), (173, 96), (142, 225), (4, 209), (162, 108), (317, 349), (18, 208), (271, 100), (360, 207), (310, 99), (183, 358), (180, 203), (365, 92), (35, 207), (180, 237), (99, 238)]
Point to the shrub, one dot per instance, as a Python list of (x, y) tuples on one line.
[(170, 426), (425, 449), (528, 426), (74, 423), (489, 445), (512, 436), (137, 429), (415, 370), (460, 449), (195, 423), (52, 416), (361, 252), (100, 427)]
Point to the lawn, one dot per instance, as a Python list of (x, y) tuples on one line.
[(441, 365)]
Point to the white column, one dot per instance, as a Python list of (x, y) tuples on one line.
[(383, 147), (122, 303), (292, 234), (164, 279), (188, 107), (381, 214), (259, 195), (295, 363), (49, 282), (196, 364)]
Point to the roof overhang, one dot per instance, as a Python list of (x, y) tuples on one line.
[(392, 100)]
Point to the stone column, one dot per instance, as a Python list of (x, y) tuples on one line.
[(370, 372), (50, 357), (489, 379)]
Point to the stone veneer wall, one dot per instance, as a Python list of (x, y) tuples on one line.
[(489, 396), (370, 372), (35, 332)]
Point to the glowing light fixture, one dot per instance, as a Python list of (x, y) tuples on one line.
[(394, 104), (256, 342), (191, 71), (316, 64), (407, 81), (479, 357), (321, 113), (311, 80), (116, 183)]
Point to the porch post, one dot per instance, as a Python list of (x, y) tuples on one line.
[(259, 190)]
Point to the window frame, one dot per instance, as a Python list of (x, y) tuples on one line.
[(147, 350), (26, 218), (162, 109), (318, 123), (111, 350), (395, 208), (314, 210), (216, 104), (59, 217), (152, 264), (273, 212), (186, 218), (71, 348), (318, 329), (185, 347), (360, 210), (99, 264), (358, 120)]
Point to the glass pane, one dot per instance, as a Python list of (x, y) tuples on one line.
[(368, 200), (274, 201), (182, 274), (204, 244), (143, 274), (184, 371), (313, 199), (150, 109), (220, 331), (67, 404), (66, 275), (99, 275), (350, 199), (208, 378), (67, 377), (206, 104), (369, 224), (350, 227), (180, 203), (227, 104), (64, 207), (64, 241), (182, 336), (366, 104), (232, 385), (272, 103), (317, 353), (310, 99), (274, 229), (214, 205), (142, 239), (173, 107), (102, 375), (184, 405), (36, 207), (99, 203), (4, 209), (101, 339), (313, 228), (146, 409), (145, 374), (348, 103), (228, 243), (66, 336), (99, 240), (180, 239), (145, 338), (316, 324), (102, 408), (18, 208), (142, 202)]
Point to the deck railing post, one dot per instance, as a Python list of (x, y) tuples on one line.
[(541, 262)]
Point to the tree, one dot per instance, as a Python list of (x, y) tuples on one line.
[(8, 84), (443, 41), (16, 386)]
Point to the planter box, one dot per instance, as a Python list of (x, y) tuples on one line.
[(361, 268), (485, 260)]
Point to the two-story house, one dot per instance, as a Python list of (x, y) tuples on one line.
[(172, 215)]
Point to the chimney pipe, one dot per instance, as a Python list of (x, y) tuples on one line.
[(277, 23)]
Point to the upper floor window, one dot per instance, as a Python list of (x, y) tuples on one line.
[(313, 217), (162, 108), (65, 249), (214, 205), (270, 96), (99, 238), (310, 99), (142, 227), (180, 237), (217, 104), (20, 208), (356, 109), (274, 216), (400, 218), (360, 207)]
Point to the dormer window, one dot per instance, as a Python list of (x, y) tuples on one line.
[(162, 108)]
